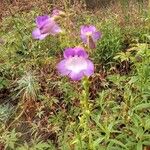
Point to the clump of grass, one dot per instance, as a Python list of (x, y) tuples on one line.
[(5, 112), (111, 43), (28, 87)]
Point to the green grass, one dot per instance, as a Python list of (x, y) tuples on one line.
[(40, 110)]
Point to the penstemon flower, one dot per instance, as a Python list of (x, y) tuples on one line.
[(57, 13), (90, 35), (45, 26), (75, 64)]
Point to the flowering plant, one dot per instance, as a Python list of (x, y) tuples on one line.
[(76, 64), (45, 26), (90, 35)]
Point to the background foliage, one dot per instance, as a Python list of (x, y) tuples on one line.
[(39, 110)]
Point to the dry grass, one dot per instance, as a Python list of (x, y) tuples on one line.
[(20, 6), (99, 7)]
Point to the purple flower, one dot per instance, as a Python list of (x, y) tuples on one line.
[(45, 26), (90, 35), (57, 13), (75, 64)]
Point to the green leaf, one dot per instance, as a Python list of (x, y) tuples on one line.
[(98, 141), (117, 143), (141, 106), (147, 124), (146, 142)]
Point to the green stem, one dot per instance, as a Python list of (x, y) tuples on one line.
[(86, 110)]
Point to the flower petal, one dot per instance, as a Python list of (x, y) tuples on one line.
[(57, 12), (91, 28), (89, 31), (90, 68), (50, 27), (96, 36), (37, 34), (76, 76), (80, 52), (40, 20), (84, 29), (61, 67), (87, 28), (55, 29), (71, 52), (84, 38)]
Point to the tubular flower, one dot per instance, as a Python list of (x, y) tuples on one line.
[(57, 13), (45, 26), (90, 35), (75, 64)]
